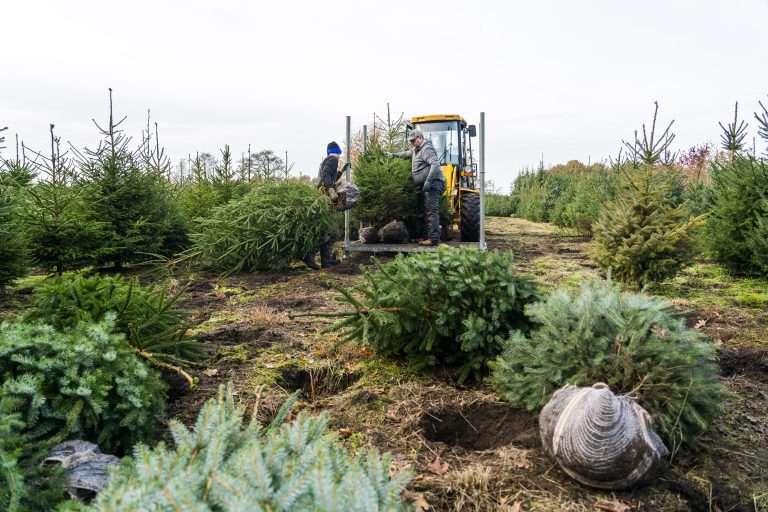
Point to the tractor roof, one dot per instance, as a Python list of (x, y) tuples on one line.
[(437, 118)]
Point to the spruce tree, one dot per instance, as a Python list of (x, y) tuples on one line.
[(13, 252), (453, 306), (646, 233), (26, 483), (737, 228), (198, 196), (83, 383), (226, 464), (633, 342), (225, 181), (275, 224), (641, 237), (60, 232), (389, 191), (132, 202)]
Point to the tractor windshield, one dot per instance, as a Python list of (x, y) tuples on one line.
[(445, 138)]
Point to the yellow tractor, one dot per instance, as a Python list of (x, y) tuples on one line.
[(452, 138)]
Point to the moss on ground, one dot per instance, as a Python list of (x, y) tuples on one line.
[(379, 371)]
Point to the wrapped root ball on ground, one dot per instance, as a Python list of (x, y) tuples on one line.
[(369, 235), (600, 439), (394, 233), (87, 469)]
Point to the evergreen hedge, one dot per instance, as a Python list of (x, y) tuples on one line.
[(452, 306), (226, 465), (633, 342), (498, 205), (84, 383), (582, 199)]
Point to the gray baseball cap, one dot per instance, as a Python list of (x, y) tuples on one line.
[(415, 134)]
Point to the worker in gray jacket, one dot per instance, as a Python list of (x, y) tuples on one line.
[(426, 172)]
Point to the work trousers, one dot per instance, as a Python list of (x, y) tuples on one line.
[(432, 209)]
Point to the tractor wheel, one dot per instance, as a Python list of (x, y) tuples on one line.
[(470, 217)]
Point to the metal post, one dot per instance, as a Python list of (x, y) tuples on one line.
[(482, 181), (348, 177), (365, 137)]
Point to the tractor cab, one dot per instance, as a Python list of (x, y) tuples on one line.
[(452, 139)]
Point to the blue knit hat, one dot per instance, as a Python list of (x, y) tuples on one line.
[(333, 148)]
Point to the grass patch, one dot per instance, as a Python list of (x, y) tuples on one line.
[(28, 282), (707, 284), (553, 272)]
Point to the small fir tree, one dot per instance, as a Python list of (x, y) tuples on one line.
[(13, 251), (226, 183), (450, 307), (133, 203), (60, 232), (227, 465), (641, 237), (275, 224), (646, 233), (83, 383), (738, 224), (633, 342), (197, 197), (389, 191), (734, 134)]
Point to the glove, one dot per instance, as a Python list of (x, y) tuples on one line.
[(427, 186), (332, 194), (345, 167)]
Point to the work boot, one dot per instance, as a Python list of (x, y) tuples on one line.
[(428, 243), (327, 258), (309, 261)]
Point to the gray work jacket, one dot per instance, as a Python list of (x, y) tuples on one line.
[(425, 166)]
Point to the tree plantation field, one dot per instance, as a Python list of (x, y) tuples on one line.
[(466, 448), (168, 342)]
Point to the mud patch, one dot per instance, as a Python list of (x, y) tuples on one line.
[(236, 335), (751, 363), (481, 426), (300, 303)]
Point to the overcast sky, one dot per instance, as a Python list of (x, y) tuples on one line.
[(561, 78)]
